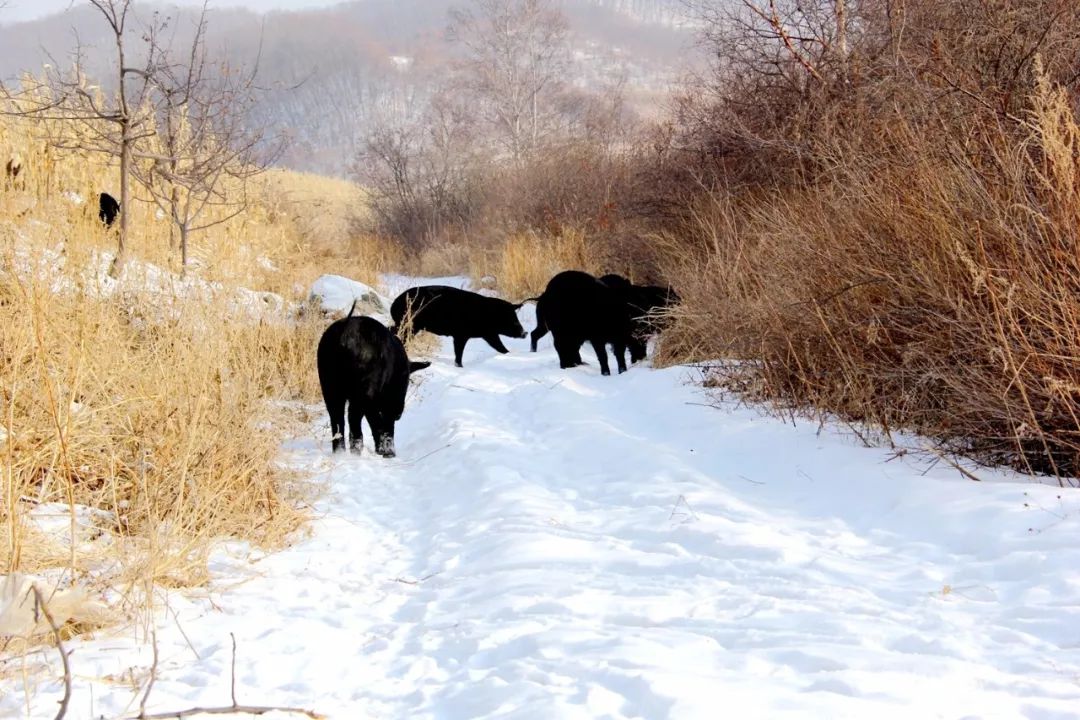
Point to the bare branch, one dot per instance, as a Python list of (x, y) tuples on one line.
[(42, 606), (231, 710), (234, 708), (773, 19), (232, 683)]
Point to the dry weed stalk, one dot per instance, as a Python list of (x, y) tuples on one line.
[(524, 262), (236, 708), (43, 607), (156, 415)]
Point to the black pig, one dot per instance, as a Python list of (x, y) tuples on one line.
[(576, 307), (459, 314), (108, 208), (644, 302), (363, 364), (611, 280)]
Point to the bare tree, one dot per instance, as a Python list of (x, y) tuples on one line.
[(205, 151), (516, 52), (110, 125), (421, 171)]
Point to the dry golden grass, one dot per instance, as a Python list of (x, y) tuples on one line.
[(418, 343), (934, 286), (163, 421), (326, 215), (523, 263), (157, 404), (442, 259)]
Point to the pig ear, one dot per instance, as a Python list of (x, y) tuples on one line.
[(414, 366)]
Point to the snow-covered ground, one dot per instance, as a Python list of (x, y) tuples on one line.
[(557, 544)]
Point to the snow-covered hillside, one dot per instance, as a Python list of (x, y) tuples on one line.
[(357, 65), (557, 544)]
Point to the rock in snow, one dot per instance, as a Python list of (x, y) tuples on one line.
[(335, 294)]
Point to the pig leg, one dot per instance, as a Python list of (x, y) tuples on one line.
[(382, 430), (567, 349), (577, 353), (356, 429), (601, 357), (619, 348), (335, 406), (495, 342), (535, 335), (540, 330), (459, 348)]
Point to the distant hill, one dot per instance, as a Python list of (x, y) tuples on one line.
[(331, 72)]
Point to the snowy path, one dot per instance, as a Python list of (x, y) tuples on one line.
[(556, 544)]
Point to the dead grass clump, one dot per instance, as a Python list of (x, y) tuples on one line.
[(422, 345), (325, 218), (153, 410), (933, 285), (164, 419), (442, 259), (522, 265), (418, 343)]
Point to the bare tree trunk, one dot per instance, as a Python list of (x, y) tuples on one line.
[(126, 140), (125, 197), (841, 28), (183, 249), (174, 212)]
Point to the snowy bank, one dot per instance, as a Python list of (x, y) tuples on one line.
[(158, 288)]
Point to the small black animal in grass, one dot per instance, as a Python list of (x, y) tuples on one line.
[(108, 209)]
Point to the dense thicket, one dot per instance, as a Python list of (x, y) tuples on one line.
[(872, 203), (890, 229)]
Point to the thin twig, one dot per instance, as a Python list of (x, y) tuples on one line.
[(233, 710), (233, 681), (153, 675), (838, 293), (176, 621), (750, 480), (415, 582), (39, 604), (682, 499), (422, 457), (966, 473), (774, 21)]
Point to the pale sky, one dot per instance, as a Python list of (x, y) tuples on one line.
[(19, 10)]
